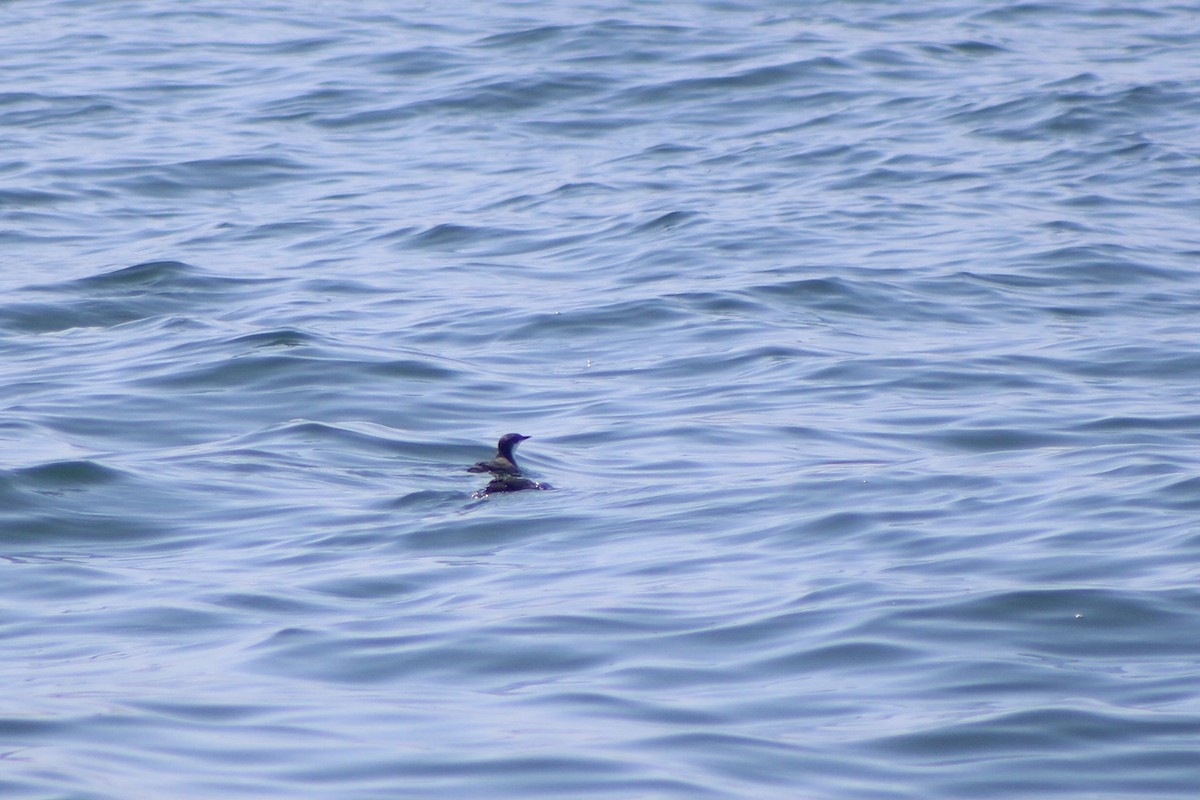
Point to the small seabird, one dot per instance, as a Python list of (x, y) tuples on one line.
[(504, 463)]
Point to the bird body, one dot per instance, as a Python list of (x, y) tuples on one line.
[(496, 466), (510, 483), (505, 463)]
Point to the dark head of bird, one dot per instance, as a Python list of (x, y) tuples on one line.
[(504, 463), (508, 442)]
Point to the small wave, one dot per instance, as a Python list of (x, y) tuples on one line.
[(67, 475), (143, 291)]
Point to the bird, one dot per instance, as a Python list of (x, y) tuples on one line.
[(505, 463)]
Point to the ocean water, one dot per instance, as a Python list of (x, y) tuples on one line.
[(859, 340)]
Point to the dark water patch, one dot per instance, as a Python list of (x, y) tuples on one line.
[(1075, 121), (603, 623), (618, 29), (310, 431), (360, 120), (73, 501), (259, 603), (420, 62), (495, 97), (880, 178), (22, 487), (972, 48), (824, 289), (451, 236), (31, 198), (16, 98), (841, 524), (201, 712), (34, 579), (668, 221), (285, 338), (613, 706), (846, 657), (767, 764), (523, 39), (1066, 226), (1069, 623), (506, 97), (258, 371), (373, 660), (1181, 495), (548, 775), (962, 379), (48, 110), (584, 128), (66, 476), (289, 367), (1026, 13), (829, 295), (1120, 361), (174, 623), (314, 104), (152, 277), (998, 439), (742, 84), (366, 587), (1187, 424), (214, 174), (305, 46), (26, 317), (1057, 745), (611, 317), (1053, 730), (1010, 118), (567, 192), (665, 152), (718, 304), (285, 231), (24, 729), (273, 446), (693, 375), (338, 286), (118, 297), (886, 56), (426, 500), (413, 369), (494, 528), (1106, 266), (494, 242), (764, 632), (39, 527), (160, 88)]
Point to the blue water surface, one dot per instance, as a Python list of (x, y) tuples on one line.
[(860, 342)]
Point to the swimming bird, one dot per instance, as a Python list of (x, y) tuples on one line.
[(505, 463)]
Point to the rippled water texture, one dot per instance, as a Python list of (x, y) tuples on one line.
[(858, 340)]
